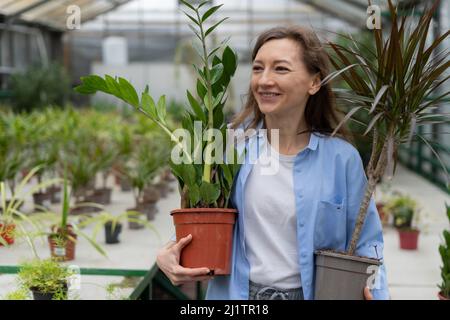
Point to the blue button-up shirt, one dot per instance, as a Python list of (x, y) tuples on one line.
[(329, 184)]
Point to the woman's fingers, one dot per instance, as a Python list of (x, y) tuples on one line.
[(190, 272), (183, 243), (367, 294), (182, 275)]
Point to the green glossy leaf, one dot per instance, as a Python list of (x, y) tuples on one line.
[(229, 61), (216, 73), (209, 12), (161, 108), (201, 89), (194, 194), (128, 92), (196, 107), (148, 105), (187, 4), (192, 18), (211, 29), (209, 192)]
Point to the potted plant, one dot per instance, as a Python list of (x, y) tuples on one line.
[(404, 211), (46, 279), (396, 91), (205, 185), (63, 235), (112, 224), (123, 143), (13, 222), (444, 251)]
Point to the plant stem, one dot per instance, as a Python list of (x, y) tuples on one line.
[(209, 107), (169, 133), (374, 177)]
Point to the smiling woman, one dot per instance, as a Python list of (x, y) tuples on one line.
[(310, 201)]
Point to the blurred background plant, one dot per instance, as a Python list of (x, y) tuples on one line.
[(39, 86)]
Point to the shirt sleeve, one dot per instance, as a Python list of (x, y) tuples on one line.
[(371, 241)]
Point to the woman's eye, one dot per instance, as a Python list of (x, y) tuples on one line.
[(281, 69), (257, 68)]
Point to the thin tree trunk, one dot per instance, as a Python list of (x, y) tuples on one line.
[(374, 177)]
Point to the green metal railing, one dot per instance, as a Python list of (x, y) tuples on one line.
[(152, 279)]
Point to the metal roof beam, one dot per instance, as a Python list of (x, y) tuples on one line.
[(17, 14)]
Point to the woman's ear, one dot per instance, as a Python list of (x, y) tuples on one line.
[(315, 85)]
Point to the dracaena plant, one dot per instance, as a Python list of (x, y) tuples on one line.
[(397, 90), (204, 183)]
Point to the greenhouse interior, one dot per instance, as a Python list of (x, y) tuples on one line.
[(93, 94)]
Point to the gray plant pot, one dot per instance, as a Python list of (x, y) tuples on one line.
[(342, 277)]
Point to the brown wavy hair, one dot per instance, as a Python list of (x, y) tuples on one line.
[(320, 111)]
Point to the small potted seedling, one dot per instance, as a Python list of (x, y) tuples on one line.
[(46, 279)]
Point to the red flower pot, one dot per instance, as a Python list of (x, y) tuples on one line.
[(212, 237), (408, 239), (7, 233)]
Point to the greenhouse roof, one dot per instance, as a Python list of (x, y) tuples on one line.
[(54, 13)]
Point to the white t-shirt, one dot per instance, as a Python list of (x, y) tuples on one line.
[(271, 222)]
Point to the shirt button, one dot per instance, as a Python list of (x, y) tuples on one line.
[(303, 255), (302, 224)]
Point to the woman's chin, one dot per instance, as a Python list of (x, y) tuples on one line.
[(268, 109)]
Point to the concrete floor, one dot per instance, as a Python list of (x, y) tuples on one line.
[(411, 274), (415, 274)]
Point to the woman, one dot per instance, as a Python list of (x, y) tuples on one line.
[(312, 198)]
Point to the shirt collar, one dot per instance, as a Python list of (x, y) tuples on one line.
[(313, 138)]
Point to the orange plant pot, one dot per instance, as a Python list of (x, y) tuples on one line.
[(212, 237), (7, 233), (66, 253)]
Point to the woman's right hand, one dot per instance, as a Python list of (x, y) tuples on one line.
[(168, 260)]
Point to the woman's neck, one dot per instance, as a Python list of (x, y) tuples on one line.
[(293, 134)]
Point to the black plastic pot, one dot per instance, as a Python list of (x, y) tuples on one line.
[(38, 295), (342, 277), (112, 235)]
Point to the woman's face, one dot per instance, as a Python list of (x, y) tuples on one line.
[(280, 82)]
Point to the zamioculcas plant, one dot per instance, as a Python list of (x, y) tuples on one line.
[(397, 91), (205, 185)]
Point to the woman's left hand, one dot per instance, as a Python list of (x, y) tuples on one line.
[(367, 294)]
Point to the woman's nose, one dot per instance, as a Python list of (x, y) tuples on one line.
[(266, 79)]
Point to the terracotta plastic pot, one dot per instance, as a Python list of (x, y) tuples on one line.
[(408, 239), (7, 233), (442, 297), (342, 277), (212, 237)]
